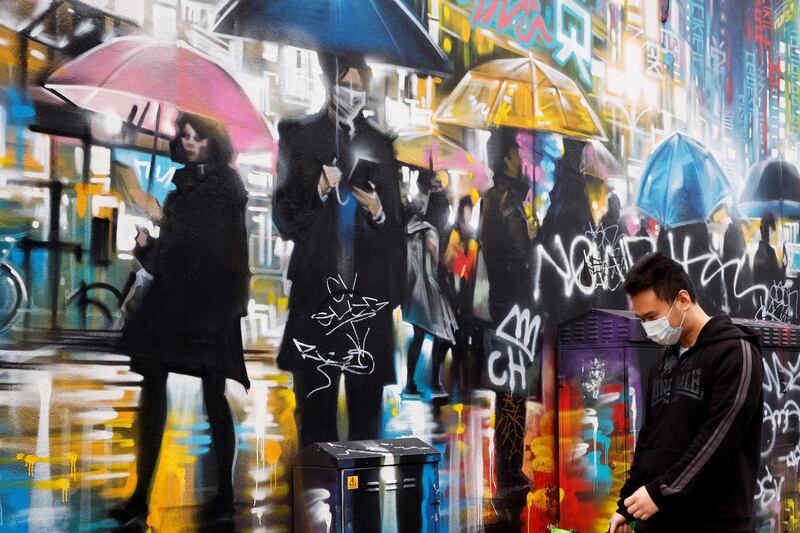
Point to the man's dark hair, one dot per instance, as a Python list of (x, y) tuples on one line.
[(501, 141), (334, 67), (658, 272), (220, 149)]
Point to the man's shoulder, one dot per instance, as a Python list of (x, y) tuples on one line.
[(376, 132), (728, 353), (492, 194)]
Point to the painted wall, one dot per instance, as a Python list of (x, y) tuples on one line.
[(724, 74)]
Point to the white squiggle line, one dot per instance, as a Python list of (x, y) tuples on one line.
[(606, 257), (710, 259), (361, 368), (790, 371), (358, 360)]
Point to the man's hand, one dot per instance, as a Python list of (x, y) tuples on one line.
[(641, 505), (329, 178), (369, 200), (618, 524)]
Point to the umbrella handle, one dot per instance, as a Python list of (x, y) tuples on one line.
[(151, 171)]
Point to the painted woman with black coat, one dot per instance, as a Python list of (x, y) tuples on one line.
[(190, 319)]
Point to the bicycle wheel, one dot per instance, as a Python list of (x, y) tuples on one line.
[(13, 297)]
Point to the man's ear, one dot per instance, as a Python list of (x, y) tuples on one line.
[(684, 298)]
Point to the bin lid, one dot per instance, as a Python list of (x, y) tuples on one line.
[(365, 453)]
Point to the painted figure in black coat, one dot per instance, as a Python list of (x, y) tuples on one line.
[(738, 274), (568, 217), (767, 269), (348, 265), (190, 319), (641, 244), (508, 251), (609, 274), (504, 237)]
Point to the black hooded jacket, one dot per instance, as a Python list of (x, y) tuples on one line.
[(699, 448)]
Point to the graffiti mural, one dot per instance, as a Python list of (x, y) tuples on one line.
[(231, 229)]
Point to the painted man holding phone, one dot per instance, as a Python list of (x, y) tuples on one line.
[(338, 199)]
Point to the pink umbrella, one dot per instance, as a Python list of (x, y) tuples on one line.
[(149, 82)]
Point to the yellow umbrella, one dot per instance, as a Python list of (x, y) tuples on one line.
[(520, 93), (432, 150)]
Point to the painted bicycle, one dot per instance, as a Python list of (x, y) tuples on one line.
[(13, 294)]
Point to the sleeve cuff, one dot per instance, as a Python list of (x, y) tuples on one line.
[(380, 218), (655, 494), (623, 511)]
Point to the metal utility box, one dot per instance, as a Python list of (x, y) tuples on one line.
[(604, 358), (778, 482), (371, 486)]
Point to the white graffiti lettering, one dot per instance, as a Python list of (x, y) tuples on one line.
[(519, 331), (780, 304), (769, 489)]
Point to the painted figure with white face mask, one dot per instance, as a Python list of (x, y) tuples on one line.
[(338, 199), (697, 454)]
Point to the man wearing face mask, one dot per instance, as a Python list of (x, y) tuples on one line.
[(698, 451), (348, 263)]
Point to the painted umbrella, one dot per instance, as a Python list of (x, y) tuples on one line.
[(520, 93), (598, 161), (772, 185), (682, 183), (148, 82), (432, 150), (385, 30)]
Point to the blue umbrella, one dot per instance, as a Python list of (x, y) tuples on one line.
[(772, 186), (385, 30), (682, 183)]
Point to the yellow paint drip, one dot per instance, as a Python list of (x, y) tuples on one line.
[(61, 484), (272, 452), (30, 461)]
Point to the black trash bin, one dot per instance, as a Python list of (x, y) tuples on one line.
[(371, 486)]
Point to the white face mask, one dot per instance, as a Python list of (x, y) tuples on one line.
[(661, 332), (348, 103)]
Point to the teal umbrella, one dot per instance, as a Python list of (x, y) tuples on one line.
[(682, 183)]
